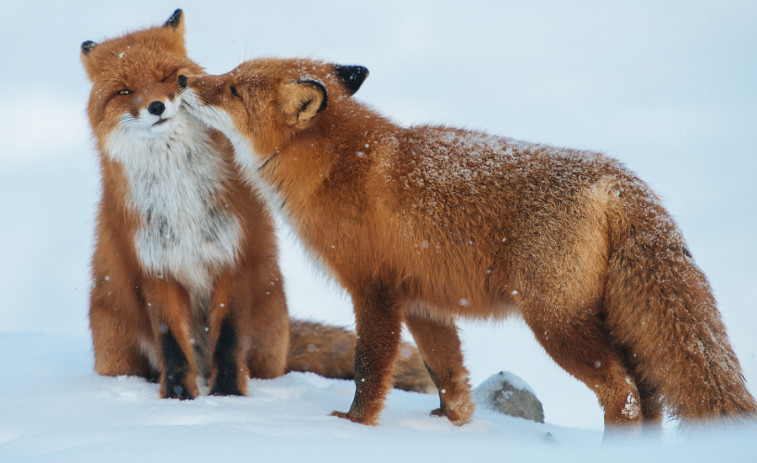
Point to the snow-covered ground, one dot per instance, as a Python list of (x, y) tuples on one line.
[(667, 87), (54, 409)]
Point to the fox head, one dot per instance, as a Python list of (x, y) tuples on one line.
[(134, 79), (265, 103)]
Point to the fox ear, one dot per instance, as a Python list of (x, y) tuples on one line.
[(176, 20), (87, 47), (302, 101), (90, 65), (352, 77)]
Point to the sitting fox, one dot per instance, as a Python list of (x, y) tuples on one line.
[(186, 279), (425, 224)]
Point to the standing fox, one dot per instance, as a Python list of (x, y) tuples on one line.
[(425, 224), (186, 278)]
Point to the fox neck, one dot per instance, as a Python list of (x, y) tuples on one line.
[(317, 183), (322, 159)]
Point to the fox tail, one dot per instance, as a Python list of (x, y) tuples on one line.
[(330, 351), (660, 305)]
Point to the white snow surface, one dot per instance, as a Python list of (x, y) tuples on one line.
[(55, 409), (667, 87)]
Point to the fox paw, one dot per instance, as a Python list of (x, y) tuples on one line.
[(178, 387), (177, 391), (354, 419), (226, 385), (458, 416)]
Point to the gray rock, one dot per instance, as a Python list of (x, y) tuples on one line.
[(507, 393)]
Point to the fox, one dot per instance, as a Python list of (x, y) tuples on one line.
[(425, 224), (186, 283)]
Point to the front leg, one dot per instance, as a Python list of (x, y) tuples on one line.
[(170, 314), (439, 345), (378, 314), (229, 310)]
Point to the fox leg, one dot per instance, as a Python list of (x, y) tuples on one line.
[(579, 343), (122, 337), (651, 404), (229, 311), (378, 317), (439, 345), (170, 312), (121, 333), (249, 330), (649, 395), (269, 323), (229, 371)]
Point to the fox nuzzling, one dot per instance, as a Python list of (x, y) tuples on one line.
[(186, 278), (425, 224)]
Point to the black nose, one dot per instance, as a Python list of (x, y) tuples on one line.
[(183, 81), (156, 108)]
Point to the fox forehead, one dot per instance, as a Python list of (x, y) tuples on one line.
[(144, 56), (133, 67)]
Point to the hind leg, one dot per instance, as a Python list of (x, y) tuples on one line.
[(122, 338), (268, 325), (651, 405), (578, 342), (649, 396)]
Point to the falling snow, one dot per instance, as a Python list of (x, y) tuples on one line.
[(695, 151)]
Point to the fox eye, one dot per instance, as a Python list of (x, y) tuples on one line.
[(124, 92), (234, 92)]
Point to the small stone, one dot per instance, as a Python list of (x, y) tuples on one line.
[(508, 394)]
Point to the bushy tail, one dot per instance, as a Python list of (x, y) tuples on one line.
[(661, 308), (330, 351)]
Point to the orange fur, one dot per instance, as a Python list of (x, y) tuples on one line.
[(425, 224), (186, 278)]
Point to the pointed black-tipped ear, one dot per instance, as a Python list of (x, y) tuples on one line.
[(175, 20), (87, 47), (352, 77)]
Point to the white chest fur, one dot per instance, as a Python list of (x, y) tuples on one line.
[(176, 183)]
